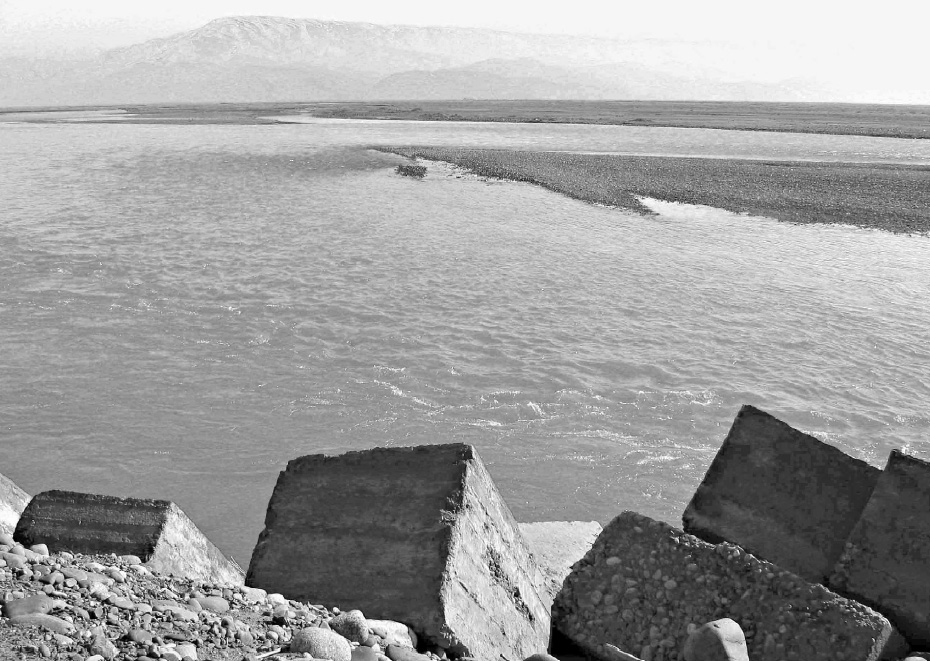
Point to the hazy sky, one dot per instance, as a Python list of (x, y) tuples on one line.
[(42, 25)]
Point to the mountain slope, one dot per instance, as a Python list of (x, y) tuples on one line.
[(279, 59)]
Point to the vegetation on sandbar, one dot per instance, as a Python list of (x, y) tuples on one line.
[(895, 198)]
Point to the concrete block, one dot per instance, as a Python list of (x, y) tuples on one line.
[(13, 501), (645, 586), (886, 562), (780, 494), (417, 535), (156, 531), (557, 545)]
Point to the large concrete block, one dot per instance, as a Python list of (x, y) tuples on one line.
[(418, 535), (13, 501), (644, 584), (557, 545), (780, 494), (886, 562), (155, 530)]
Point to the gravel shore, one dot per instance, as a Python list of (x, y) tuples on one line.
[(894, 198), (72, 607)]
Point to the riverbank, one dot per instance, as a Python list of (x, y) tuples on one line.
[(894, 198), (888, 121)]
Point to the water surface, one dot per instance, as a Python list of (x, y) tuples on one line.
[(184, 309)]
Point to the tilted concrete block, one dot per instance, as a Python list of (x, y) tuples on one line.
[(780, 494), (644, 586), (13, 501), (886, 562), (557, 545), (157, 531), (417, 535)]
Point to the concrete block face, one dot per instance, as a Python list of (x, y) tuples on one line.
[(781, 494), (156, 531), (557, 545), (417, 535), (13, 501), (644, 586), (886, 562)]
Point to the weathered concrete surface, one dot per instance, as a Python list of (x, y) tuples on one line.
[(643, 583), (13, 501), (417, 535), (157, 531), (886, 562), (557, 545), (780, 494)]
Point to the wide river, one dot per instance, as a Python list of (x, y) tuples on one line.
[(183, 309)]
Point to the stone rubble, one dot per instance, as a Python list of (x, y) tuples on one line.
[(74, 607)]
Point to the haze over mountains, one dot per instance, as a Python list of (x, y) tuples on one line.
[(254, 59)]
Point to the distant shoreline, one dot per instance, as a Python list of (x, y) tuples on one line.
[(893, 198), (886, 121)]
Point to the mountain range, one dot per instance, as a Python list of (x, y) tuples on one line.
[(260, 58)]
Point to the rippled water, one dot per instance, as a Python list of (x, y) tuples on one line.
[(184, 309)]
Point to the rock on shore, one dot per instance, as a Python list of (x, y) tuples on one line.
[(157, 531), (782, 495), (13, 501), (645, 586), (419, 535)]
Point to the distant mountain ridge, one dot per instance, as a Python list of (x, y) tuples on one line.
[(263, 58)]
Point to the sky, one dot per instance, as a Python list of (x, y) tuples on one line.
[(60, 25)]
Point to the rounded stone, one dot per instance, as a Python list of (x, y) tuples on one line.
[(720, 640), (187, 651), (393, 633), (364, 654), (542, 656), (352, 625), (322, 644), (47, 622), (214, 604), (396, 653), (36, 604)]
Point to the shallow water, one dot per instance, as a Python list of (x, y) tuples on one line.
[(184, 309)]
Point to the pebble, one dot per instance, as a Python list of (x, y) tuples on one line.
[(363, 653), (720, 639), (398, 653), (393, 633), (100, 644), (187, 651), (37, 604), (140, 636), (352, 625), (47, 622), (321, 644), (214, 604)]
